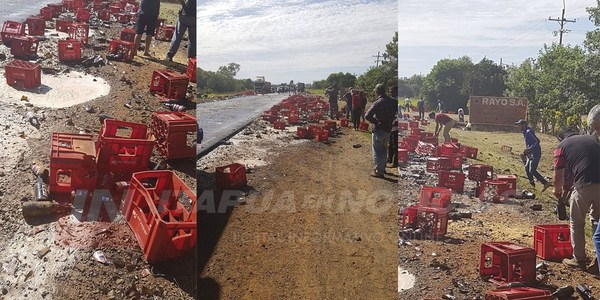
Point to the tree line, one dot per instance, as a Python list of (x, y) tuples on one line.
[(561, 83)]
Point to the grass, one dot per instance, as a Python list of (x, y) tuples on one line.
[(316, 91)]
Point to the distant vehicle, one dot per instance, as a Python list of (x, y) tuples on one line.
[(261, 86), (300, 87), (282, 88)]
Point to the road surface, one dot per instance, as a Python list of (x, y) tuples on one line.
[(221, 119)]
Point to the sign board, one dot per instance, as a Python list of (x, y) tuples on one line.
[(496, 110)]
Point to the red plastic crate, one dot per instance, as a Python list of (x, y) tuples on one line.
[(11, 29), (415, 132), (23, 73), (511, 180), (452, 180), (72, 163), (410, 143), (24, 47), (314, 117), (402, 155), (83, 15), (162, 216), (104, 15), (123, 50), (126, 151), (363, 126), (469, 152), (128, 34), (191, 69), (302, 132), (79, 32), (344, 122), (480, 172), (321, 135), (294, 119), (69, 50), (448, 149), (518, 293), (63, 25), (123, 18), (313, 131), (430, 140), (98, 6), (425, 135), (46, 13), (175, 134), (432, 196), (36, 25), (57, 9), (455, 161), (552, 241), (413, 124), (115, 9), (505, 262), (231, 177), (168, 84), (436, 164), (73, 5), (402, 126), (279, 125), (494, 190), (416, 118), (424, 122), (435, 219), (165, 33)]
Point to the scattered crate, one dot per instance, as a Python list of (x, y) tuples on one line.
[(36, 25), (402, 155), (452, 180), (469, 152), (79, 32), (123, 147), (423, 222), (518, 293), (114, 9), (46, 13), (494, 191), (279, 125), (302, 132), (128, 35), (191, 69), (11, 29), (505, 262), (511, 180), (424, 148), (174, 132), (161, 211), (413, 124), (168, 84), (321, 135), (479, 172), (415, 132), (24, 47), (122, 50), (63, 25), (403, 126), (57, 9), (436, 164), (72, 163), (123, 18), (231, 177), (431, 196), (23, 73), (165, 33), (104, 15), (69, 50), (344, 122), (552, 242), (83, 15)]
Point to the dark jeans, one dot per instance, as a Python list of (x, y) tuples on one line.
[(421, 114), (184, 23), (392, 156), (356, 117), (531, 170), (348, 109), (333, 110)]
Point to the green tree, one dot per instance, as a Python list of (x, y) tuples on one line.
[(386, 73), (449, 82), (230, 70), (487, 79)]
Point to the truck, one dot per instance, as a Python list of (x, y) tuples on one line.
[(261, 86), (300, 87)]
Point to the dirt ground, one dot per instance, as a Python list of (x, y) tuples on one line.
[(52, 258), (311, 225), (450, 265)]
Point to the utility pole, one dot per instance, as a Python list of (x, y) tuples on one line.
[(562, 22), (378, 56)]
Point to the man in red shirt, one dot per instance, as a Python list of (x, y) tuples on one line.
[(442, 120)]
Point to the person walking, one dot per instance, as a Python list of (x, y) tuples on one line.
[(147, 18), (533, 152), (461, 115), (421, 108), (348, 97), (392, 157), (381, 115), (442, 120), (577, 157), (356, 108), (332, 93), (186, 20), (406, 105)]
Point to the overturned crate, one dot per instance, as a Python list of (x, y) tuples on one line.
[(122, 50), (11, 29), (24, 47), (175, 134), (123, 147), (169, 84), (72, 163)]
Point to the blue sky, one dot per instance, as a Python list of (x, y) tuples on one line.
[(511, 29), (300, 40)]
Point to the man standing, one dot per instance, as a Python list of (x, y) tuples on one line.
[(578, 157), (421, 107), (442, 120), (147, 18), (381, 114), (332, 94), (533, 152), (349, 106), (406, 105), (593, 120), (185, 21), (392, 156)]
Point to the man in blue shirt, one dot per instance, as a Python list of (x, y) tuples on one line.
[(533, 152)]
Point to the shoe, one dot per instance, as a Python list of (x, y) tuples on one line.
[(546, 186), (168, 58), (593, 267), (574, 263), (375, 174)]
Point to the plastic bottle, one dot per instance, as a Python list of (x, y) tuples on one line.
[(31, 118), (175, 107)]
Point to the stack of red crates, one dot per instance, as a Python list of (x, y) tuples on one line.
[(161, 211), (23, 73), (552, 241), (191, 69), (69, 50), (171, 131), (72, 163), (11, 29), (168, 84), (36, 25), (123, 152), (505, 262)]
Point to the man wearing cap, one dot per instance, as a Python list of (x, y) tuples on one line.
[(533, 152), (381, 114), (332, 94), (577, 160), (442, 120)]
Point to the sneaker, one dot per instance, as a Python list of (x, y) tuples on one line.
[(375, 174), (574, 263), (546, 186), (593, 267)]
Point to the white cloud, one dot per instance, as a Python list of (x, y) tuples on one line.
[(271, 37)]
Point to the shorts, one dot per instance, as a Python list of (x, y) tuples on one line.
[(147, 21)]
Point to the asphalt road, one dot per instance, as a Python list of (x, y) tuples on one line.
[(220, 120)]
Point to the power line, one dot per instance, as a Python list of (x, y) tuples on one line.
[(378, 56), (562, 22)]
